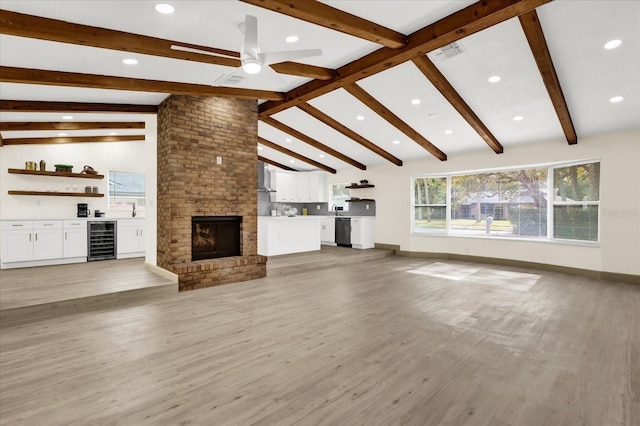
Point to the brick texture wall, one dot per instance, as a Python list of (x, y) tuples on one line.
[(192, 132)]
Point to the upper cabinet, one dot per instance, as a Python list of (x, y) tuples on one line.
[(298, 187)]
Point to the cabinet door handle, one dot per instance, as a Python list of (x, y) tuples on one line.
[(65, 235), (29, 237), (141, 232), (17, 225), (136, 232), (36, 236)]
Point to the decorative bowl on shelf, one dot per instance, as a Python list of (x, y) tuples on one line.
[(63, 168), (364, 182)]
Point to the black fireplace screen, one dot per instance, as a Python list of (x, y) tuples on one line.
[(215, 236)]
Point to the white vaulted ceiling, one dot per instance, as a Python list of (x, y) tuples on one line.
[(575, 32)]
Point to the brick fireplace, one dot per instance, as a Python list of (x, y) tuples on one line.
[(207, 168)]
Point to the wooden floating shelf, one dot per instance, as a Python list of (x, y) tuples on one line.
[(361, 200), (57, 174), (360, 186), (58, 194)]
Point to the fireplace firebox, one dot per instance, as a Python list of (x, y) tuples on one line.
[(215, 236)]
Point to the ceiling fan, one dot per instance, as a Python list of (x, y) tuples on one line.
[(253, 61)]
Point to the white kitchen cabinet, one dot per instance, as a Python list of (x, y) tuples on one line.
[(328, 231), (362, 232), (298, 187), (47, 242), (304, 195), (286, 186), (317, 187), (75, 238), (17, 241), (130, 238), (26, 241)]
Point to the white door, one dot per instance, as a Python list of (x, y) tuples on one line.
[(47, 244), (75, 242), (17, 245), (127, 238)]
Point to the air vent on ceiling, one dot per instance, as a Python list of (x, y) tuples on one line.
[(235, 79), (450, 50)]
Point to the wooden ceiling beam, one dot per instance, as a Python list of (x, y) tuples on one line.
[(335, 19), (82, 125), (69, 79), (275, 163), (72, 139), (470, 20), (43, 106), (269, 144), (538, 44), (22, 25), (304, 70), (321, 116), (436, 78), (364, 97), (314, 143)]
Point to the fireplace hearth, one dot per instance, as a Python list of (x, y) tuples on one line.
[(214, 237)]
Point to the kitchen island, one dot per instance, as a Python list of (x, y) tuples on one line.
[(284, 235)]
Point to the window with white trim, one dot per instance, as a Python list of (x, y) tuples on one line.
[(339, 196), (576, 202), (514, 203), (125, 189)]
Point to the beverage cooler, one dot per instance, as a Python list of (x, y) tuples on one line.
[(102, 240)]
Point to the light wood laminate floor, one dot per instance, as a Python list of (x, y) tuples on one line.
[(386, 342)]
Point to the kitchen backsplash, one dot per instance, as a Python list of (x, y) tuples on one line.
[(355, 209)]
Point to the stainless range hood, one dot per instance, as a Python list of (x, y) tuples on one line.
[(264, 178)]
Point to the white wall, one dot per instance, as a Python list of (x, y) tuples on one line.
[(136, 156), (619, 248)]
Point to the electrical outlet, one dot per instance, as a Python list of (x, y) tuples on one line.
[(317, 206), (367, 206), (218, 160)]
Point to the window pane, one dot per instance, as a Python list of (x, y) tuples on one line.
[(510, 203), (576, 222), (430, 190), (577, 183), (126, 188), (430, 218)]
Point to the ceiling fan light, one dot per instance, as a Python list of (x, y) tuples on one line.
[(251, 66)]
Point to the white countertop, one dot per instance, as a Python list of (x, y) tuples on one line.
[(91, 218)]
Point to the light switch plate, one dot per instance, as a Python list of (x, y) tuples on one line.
[(218, 160)]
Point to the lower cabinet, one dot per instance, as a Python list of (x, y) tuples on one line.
[(75, 238), (362, 232), (28, 241), (130, 238), (328, 231)]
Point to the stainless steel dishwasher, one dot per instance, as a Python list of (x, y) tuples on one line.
[(343, 231)]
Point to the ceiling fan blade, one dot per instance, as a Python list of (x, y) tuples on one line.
[(273, 75), (288, 55), (234, 77), (250, 47)]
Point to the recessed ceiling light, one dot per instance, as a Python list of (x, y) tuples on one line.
[(259, 148), (288, 140), (321, 156), (448, 132), (165, 8), (616, 99), (433, 115), (291, 39), (416, 101), (113, 133), (291, 161), (130, 61), (67, 117), (518, 118), (360, 117), (494, 79), (396, 142), (62, 134), (612, 44)]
